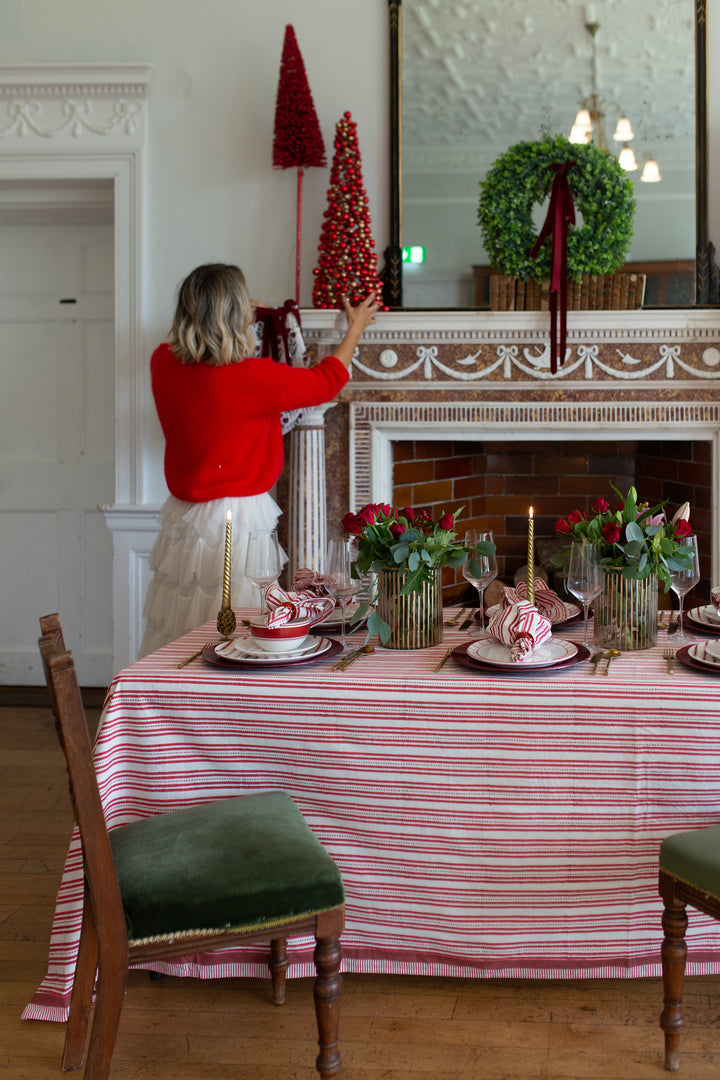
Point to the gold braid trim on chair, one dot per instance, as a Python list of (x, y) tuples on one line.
[(691, 884), (248, 928)]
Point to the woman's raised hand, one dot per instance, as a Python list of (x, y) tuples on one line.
[(358, 318)]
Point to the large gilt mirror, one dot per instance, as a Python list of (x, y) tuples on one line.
[(470, 79)]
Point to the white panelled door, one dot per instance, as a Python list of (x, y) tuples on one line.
[(57, 444)]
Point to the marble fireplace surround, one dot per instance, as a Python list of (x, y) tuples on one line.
[(468, 376)]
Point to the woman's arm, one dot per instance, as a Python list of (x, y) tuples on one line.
[(358, 319)]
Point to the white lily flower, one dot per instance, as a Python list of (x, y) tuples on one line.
[(683, 514)]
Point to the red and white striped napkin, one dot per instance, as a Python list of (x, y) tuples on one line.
[(547, 601), (309, 581), (284, 606), (518, 624)]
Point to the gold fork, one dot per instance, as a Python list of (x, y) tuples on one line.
[(669, 655), (189, 659)]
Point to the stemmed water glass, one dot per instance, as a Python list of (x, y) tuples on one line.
[(263, 562), (339, 579), (480, 568), (585, 576), (686, 579)]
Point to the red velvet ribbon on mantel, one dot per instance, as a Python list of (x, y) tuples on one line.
[(560, 215)]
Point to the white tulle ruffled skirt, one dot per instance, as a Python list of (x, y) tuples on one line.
[(187, 562)]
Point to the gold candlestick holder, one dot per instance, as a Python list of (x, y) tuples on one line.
[(226, 621)]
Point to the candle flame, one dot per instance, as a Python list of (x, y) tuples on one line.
[(531, 511), (229, 515)]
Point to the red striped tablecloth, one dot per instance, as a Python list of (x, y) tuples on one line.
[(484, 825)]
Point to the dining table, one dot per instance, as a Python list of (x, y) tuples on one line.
[(488, 822)]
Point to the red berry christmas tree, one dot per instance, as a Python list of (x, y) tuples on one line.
[(347, 263), (298, 142)]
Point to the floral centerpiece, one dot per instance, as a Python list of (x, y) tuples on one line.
[(407, 549), (638, 547)]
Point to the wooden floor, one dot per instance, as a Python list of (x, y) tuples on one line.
[(393, 1028)]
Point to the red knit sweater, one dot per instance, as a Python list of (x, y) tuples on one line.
[(222, 426)]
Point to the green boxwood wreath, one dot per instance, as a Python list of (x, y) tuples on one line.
[(522, 176)]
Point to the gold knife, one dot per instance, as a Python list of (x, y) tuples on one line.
[(468, 622)]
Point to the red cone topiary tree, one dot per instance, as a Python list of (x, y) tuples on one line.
[(298, 141), (347, 263)]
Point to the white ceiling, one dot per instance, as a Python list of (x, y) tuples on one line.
[(479, 75)]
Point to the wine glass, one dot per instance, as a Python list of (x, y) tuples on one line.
[(339, 579), (585, 576), (480, 568), (262, 561), (684, 580)]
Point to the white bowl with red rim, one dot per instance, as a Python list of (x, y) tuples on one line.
[(283, 638)]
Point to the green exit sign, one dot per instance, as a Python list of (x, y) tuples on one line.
[(413, 254)]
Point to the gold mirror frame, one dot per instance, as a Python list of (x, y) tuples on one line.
[(707, 290)]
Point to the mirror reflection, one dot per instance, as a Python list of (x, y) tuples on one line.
[(481, 75)]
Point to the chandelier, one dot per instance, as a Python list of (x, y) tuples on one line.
[(589, 125)]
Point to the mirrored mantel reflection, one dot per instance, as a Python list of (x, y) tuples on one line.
[(478, 77)]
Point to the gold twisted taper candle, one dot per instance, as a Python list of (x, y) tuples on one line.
[(227, 572), (531, 558), (226, 615)]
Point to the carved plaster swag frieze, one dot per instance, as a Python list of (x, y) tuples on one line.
[(47, 103)]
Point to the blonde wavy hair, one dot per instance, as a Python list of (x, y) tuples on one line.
[(213, 317)]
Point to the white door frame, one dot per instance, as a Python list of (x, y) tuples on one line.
[(88, 122)]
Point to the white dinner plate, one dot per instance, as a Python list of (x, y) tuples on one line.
[(493, 652), (334, 621), (705, 615), (247, 648), (702, 654)]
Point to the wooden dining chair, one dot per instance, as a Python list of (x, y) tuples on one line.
[(689, 874), (235, 870)]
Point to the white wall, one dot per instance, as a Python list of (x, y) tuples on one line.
[(212, 192)]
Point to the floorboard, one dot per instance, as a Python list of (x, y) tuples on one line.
[(393, 1027)]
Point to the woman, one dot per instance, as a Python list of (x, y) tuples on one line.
[(219, 407)]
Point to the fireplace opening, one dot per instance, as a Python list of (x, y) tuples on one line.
[(496, 482)]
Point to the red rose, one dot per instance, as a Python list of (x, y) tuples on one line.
[(601, 506), (387, 510), (611, 532), (397, 530), (351, 523), (683, 528), (408, 513), (561, 526), (576, 517), (446, 522), (366, 516)]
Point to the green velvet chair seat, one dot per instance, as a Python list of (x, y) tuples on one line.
[(231, 863), (694, 858)]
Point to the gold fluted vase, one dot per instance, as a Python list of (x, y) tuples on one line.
[(625, 612), (415, 618)]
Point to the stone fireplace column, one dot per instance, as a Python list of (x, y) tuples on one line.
[(307, 494)]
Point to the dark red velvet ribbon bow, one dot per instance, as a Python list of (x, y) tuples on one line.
[(560, 215), (275, 329)]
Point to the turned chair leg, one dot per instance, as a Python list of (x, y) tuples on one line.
[(278, 964), (674, 953), (327, 991), (82, 991)]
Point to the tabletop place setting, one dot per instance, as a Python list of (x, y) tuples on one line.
[(381, 589)]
